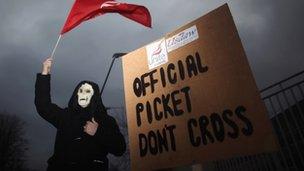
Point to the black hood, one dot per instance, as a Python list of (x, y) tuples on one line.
[(95, 109)]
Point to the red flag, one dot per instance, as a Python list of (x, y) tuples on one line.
[(83, 10)]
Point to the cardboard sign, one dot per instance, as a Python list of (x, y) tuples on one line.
[(190, 97)]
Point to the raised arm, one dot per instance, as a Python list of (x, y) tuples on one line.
[(46, 109)]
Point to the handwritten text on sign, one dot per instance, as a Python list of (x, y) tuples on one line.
[(191, 97), (167, 105)]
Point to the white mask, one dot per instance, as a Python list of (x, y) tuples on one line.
[(85, 93)]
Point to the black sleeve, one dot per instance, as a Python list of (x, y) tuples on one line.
[(46, 109), (109, 136)]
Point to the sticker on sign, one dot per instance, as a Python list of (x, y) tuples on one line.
[(157, 54), (182, 38)]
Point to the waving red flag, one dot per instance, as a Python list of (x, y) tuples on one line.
[(83, 10)]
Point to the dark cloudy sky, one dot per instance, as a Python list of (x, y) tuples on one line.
[(271, 32)]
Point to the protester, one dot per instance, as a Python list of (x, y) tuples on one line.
[(85, 132)]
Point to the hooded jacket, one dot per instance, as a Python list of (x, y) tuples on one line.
[(74, 147)]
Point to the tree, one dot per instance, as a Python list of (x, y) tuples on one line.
[(13, 145)]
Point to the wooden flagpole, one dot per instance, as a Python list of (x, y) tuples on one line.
[(53, 52)]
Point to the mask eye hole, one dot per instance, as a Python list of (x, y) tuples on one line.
[(80, 90), (88, 91)]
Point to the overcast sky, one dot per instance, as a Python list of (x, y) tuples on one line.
[(271, 32)]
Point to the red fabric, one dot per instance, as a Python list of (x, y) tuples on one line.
[(83, 10)]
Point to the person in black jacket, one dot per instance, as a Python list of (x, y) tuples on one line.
[(85, 132)]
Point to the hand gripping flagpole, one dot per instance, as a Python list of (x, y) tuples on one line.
[(55, 47)]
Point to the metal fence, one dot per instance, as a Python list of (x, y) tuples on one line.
[(285, 104)]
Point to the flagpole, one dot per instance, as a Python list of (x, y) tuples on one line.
[(53, 52)]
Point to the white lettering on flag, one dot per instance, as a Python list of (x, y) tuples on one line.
[(109, 4)]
